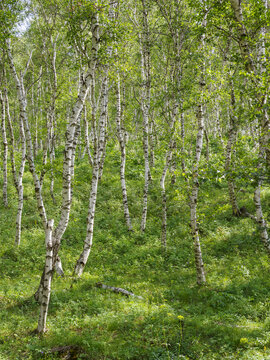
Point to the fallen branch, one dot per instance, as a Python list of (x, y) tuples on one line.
[(245, 213), (117, 290)]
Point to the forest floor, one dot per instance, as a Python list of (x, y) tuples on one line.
[(228, 318)]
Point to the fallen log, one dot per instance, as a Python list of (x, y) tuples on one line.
[(117, 290)]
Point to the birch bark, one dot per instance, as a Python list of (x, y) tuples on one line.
[(121, 139), (48, 272), (145, 106), (194, 198), (99, 142), (23, 114), (5, 150), (86, 137), (229, 147), (195, 173), (261, 98), (17, 177)]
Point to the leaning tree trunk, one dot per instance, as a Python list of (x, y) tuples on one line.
[(99, 150), (99, 144)]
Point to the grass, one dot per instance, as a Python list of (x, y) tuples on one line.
[(226, 319)]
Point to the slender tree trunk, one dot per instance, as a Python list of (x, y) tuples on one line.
[(99, 143), (86, 137), (260, 218), (194, 198), (18, 179), (99, 148), (152, 144), (207, 145), (195, 175), (145, 106), (182, 120), (230, 144), (121, 139), (48, 272), (24, 117), (81, 262), (20, 186), (163, 194), (5, 151)]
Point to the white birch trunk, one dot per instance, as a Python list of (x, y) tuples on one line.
[(5, 151), (145, 107), (24, 117), (182, 119), (81, 262), (99, 142), (194, 198), (168, 160), (260, 218), (121, 139), (164, 196), (243, 42), (70, 134), (86, 137), (195, 175), (99, 148), (230, 144), (152, 145), (48, 272), (17, 178)]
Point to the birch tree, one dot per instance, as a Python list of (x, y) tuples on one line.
[(257, 75), (145, 102), (200, 114), (99, 141), (122, 143), (5, 149), (17, 174)]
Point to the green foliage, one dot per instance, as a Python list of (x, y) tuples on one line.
[(176, 319)]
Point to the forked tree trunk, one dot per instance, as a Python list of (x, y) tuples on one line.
[(99, 143), (99, 131)]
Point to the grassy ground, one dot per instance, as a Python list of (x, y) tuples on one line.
[(227, 319)]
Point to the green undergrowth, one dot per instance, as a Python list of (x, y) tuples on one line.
[(175, 319)]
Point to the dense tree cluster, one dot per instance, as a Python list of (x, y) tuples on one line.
[(189, 80)]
